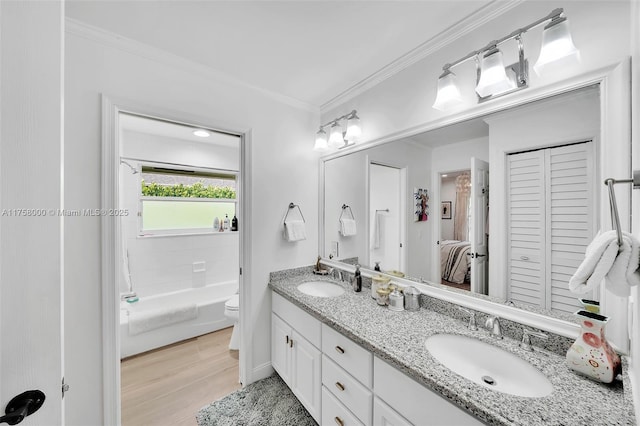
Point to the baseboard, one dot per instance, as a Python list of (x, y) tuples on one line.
[(261, 372)]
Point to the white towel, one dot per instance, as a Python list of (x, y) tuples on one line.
[(605, 259), (294, 230), (624, 271), (347, 227), (143, 320), (376, 230)]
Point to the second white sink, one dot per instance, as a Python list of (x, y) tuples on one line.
[(321, 289), (488, 365)]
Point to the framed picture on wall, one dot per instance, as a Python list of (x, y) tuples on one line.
[(421, 198), (446, 210)]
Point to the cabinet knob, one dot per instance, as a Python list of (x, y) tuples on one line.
[(339, 349), (339, 421), (340, 386)]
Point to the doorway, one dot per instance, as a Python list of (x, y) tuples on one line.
[(387, 216), (174, 162)]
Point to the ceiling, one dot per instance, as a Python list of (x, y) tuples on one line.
[(311, 51)]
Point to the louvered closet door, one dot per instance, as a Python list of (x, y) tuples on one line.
[(551, 222), (570, 218), (526, 269)]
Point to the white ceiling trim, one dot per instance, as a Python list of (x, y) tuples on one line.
[(465, 26), (111, 39)]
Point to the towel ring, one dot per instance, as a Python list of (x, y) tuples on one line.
[(344, 208), (292, 206)]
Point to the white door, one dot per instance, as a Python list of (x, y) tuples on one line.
[(479, 203), (385, 217), (30, 197)]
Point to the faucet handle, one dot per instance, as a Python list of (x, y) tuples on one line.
[(472, 318), (526, 338)]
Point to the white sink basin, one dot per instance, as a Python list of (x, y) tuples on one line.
[(488, 365), (321, 289)]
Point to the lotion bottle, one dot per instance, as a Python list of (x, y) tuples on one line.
[(357, 280)]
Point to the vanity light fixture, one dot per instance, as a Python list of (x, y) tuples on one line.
[(493, 79), (337, 138), (201, 133)]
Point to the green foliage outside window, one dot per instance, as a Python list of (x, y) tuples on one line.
[(197, 190)]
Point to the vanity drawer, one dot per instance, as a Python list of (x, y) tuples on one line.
[(414, 401), (351, 393), (304, 323), (348, 355), (334, 413)]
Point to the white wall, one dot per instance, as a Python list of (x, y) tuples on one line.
[(278, 153), (162, 264)]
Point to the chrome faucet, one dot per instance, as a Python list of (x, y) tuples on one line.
[(493, 325), (472, 318), (337, 274), (526, 338)]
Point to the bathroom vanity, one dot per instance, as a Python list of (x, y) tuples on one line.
[(350, 361)]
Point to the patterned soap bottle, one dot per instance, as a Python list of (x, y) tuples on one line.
[(591, 354)]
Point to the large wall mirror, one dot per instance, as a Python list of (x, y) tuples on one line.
[(501, 204)]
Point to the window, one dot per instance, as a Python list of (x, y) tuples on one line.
[(185, 201)]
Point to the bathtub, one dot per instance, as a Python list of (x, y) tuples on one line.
[(210, 300)]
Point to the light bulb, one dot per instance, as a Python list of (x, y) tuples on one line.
[(493, 77), (354, 130), (448, 93), (335, 136), (321, 141), (556, 44)]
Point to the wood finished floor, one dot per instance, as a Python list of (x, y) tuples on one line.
[(167, 386)]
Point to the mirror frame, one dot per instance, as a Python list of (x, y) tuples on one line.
[(615, 124)]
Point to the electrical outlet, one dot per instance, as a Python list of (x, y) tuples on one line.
[(199, 266)]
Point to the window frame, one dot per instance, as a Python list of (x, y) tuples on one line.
[(179, 232)]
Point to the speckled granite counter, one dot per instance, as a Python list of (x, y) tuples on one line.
[(398, 338)]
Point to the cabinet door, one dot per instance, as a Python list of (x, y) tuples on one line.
[(280, 348), (383, 415), (305, 374)]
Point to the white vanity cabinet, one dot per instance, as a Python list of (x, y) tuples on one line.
[(295, 354), (341, 383)]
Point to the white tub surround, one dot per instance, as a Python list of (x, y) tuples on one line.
[(178, 316)]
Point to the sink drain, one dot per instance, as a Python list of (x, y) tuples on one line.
[(489, 380)]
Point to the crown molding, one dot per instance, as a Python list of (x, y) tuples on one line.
[(113, 40), (461, 28)]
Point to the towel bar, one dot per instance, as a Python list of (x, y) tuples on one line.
[(615, 218)]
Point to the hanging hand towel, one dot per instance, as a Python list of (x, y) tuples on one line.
[(295, 230), (347, 227), (605, 259), (624, 271), (376, 230)]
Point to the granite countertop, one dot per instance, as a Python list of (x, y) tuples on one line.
[(398, 338)]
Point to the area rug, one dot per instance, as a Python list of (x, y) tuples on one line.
[(268, 402)]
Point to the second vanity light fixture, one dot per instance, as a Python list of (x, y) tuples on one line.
[(337, 138), (492, 78)]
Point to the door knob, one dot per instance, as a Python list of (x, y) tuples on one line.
[(22, 406)]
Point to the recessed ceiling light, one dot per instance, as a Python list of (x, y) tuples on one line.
[(444, 175), (201, 133)]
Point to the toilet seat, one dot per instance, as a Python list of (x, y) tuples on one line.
[(233, 304)]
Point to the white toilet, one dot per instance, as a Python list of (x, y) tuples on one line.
[(231, 311)]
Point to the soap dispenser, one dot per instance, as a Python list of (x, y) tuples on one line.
[(234, 223), (357, 280)]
